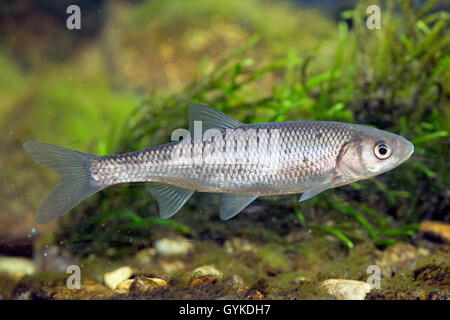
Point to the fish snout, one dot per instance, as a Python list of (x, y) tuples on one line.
[(406, 149)]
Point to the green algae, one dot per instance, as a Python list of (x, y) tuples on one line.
[(429, 280), (274, 258)]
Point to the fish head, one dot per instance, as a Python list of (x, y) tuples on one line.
[(372, 152)]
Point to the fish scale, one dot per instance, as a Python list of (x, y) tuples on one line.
[(306, 150)]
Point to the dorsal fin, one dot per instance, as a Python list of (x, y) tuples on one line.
[(210, 118)]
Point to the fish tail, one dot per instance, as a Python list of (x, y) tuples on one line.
[(75, 183)]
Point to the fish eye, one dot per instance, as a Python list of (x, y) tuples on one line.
[(382, 151)]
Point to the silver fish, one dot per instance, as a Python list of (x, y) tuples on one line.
[(222, 155)]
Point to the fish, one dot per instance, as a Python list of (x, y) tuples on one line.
[(219, 154)]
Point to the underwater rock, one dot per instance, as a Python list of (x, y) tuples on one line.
[(344, 289), (402, 255), (438, 295), (208, 279), (113, 278), (300, 280), (168, 247), (423, 252), (254, 295), (17, 267), (238, 245), (434, 274), (124, 287), (171, 266), (90, 290), (206, 270), (54, 258), (298, 236), (415, 294), (397, 257), (16, 244), (54, 286), (236, 283), (145, 284), (145, 256), (436, 230)]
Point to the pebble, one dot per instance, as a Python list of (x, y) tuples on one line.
[(423, 252), (90, 290), (437, 295), (145, 256), (206, 270), (397, 257), (56, 289), (236, 283), (298, 236), (171, 266), (344, 289), (208, 279), (168, 247), (255, 295), (436, 230), (113, 278), (124, 287), (144, 284), (17, 267), (238, 245), (300, 280), (55, 259), (403, 255)]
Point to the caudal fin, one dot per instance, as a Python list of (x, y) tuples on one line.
[(75, 183)]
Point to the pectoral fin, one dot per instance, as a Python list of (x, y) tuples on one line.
[(170, 198), (321, 186), (231, 205)]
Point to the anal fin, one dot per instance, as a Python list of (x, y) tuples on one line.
[(170, 198), (232, 204)]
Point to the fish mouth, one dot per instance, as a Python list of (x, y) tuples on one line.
[(411, 149), (407, 150)]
